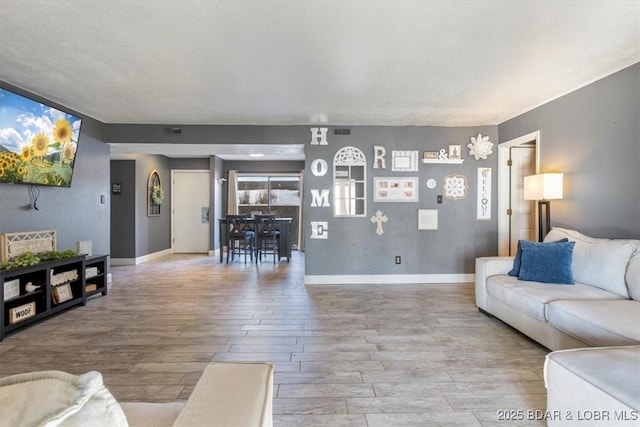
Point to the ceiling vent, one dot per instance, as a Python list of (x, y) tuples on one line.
[(173, 131), (343, 131)]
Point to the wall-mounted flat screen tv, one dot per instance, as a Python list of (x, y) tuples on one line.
[(38, 143)]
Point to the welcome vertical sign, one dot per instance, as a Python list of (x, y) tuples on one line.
[(484, 194)]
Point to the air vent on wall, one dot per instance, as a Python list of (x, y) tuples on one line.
[(343, 131), (173, 131)]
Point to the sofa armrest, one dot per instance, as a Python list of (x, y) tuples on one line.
[(231, 394), (487, 267)]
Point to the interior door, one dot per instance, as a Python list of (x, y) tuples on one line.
[(190, 196), (522, 218)]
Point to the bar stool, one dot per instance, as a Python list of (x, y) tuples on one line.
[(240, 238), (268, 236)]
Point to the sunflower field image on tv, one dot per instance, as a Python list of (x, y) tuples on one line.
[(38, 143)]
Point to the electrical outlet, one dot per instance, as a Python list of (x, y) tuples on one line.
[(439, 198), (398, 259)]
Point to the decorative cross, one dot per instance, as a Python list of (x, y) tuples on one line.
[(379, 218)]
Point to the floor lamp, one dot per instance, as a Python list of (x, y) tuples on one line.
[(543, 188)]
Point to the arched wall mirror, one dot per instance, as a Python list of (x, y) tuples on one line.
[(349, 182)]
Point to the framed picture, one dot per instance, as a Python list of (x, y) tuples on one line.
[(404, 161), (62, 293), (11, 289), (395, 189), (455, 152)]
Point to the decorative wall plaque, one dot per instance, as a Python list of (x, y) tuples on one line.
[(455, 187), (379, 157), (427, 219), (480, 147), (15, 244), (378, 219), (484, 193), (319, 198), (319, 136), (319, 230)]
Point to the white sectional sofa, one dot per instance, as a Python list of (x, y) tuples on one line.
[(593, 376), (602, 307)]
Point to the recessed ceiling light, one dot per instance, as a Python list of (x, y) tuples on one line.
[(256, 155)]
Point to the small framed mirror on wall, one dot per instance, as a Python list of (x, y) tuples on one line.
[(349, 182), (155, 194)]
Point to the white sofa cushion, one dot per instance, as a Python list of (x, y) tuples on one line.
[(599, 323), (598, 262), (633, 276), (533, 297), (55, 398)]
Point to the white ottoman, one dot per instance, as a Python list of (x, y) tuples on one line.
[(593, 387), (228, 394)]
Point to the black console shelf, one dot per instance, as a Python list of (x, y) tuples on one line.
[(66, 277)]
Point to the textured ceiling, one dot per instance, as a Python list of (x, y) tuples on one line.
[(450, 63)]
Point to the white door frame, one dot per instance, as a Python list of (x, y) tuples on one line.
[(173, 171), (503, 186)]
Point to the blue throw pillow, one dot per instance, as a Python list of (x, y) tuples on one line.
[(547, 262), (517, 261)]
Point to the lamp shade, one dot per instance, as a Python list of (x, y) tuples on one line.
[(544, 186)]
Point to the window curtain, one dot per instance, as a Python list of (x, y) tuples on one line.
[(301, 215), (232, 193)]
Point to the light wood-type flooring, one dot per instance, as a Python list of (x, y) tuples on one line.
[(376, 355)]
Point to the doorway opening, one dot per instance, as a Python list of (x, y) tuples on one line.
[(517, 219)]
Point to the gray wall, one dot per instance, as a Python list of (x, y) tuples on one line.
[(153, 233), (123, 209), (136, 234), (207, 134), (353, 247), (592, 135), (76, 212)]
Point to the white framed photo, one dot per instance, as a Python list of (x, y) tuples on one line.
[(404, 161), (387, 189)]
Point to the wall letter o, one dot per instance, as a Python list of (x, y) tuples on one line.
[(319, 167)]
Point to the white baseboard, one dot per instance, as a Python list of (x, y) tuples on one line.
[(384, 279), (141, 259)]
